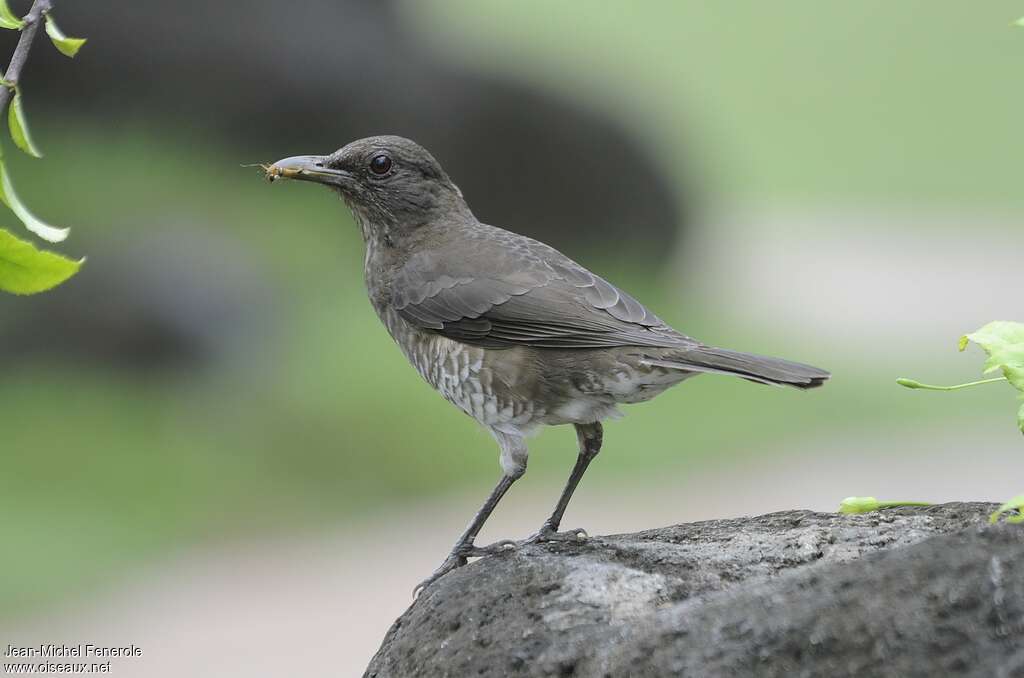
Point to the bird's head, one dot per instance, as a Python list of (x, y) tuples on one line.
[(388, 181)]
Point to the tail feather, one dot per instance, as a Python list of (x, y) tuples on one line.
[(757, 368)]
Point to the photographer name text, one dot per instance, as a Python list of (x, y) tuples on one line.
[(80, 650)]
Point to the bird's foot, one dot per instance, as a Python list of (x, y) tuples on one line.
[(453, 561), (457, 558), (549, 532), (498, 547)]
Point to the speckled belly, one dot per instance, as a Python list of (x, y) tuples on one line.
[(464, 375)]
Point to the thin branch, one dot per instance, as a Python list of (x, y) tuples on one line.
[(28, 33)]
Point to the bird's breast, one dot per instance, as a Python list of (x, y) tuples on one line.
[(493, 387)]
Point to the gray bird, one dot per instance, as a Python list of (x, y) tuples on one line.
[(509, 330)]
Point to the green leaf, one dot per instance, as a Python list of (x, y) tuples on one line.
[(1019, 22), (19, 128), (26, 270), (8, 19), (67, 46), (1015, 504), (32, 223), (1004, 343)]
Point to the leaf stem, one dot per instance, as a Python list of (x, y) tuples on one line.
[(28, 33), (910, 383)]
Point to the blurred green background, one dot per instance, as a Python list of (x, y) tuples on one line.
[(300, 414)]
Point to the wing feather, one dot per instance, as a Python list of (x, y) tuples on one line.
[(501, 290)]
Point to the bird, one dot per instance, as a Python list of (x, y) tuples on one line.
[(508, 329)]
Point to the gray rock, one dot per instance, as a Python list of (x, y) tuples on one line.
[(903, 592)]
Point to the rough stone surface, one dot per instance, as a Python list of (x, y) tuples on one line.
[(902, 592)]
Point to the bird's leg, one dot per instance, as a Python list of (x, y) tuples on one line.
[(464, 547), (589, 436)]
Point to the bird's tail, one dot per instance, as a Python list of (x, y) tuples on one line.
[(759, 368)]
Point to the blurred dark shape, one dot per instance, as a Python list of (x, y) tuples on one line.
[(191, 306), (284, 78)]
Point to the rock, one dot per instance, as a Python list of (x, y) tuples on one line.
[(904, 592)]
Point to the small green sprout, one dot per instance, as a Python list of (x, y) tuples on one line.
[(1015, 504), (910, 383), (1003, 343), (869, 504)]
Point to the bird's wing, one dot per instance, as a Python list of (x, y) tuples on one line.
[(507, 290)]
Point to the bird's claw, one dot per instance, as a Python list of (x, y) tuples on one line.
[(549, 533), (455, 559), (498, 547)]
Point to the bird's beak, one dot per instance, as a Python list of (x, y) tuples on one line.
[(309, 168)]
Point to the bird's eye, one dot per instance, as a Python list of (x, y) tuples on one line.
[(380, 164)]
